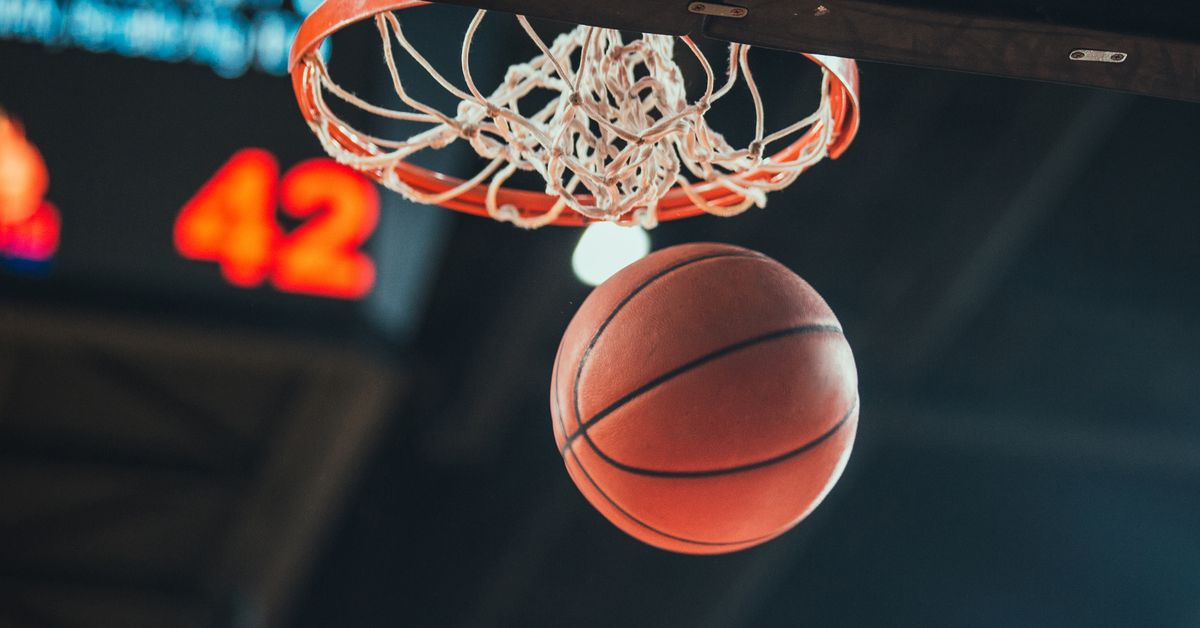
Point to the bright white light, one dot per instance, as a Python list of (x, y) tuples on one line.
[(604, 248)]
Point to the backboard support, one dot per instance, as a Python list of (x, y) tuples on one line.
[(610, 149), (1150, 48)]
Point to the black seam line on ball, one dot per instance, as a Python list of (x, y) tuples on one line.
[(587, 352), (582, 469), (758, 464), (700, 361)]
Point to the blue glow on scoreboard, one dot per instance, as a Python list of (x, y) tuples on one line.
[(230, 36)]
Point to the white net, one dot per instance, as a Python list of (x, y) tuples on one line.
[(618, 134)]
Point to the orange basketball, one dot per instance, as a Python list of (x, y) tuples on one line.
[(704, 399)]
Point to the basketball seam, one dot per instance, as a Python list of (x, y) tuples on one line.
[(749, 466), (563, 424), (629, 297), (626, 513), (582, 429), (585, 426)]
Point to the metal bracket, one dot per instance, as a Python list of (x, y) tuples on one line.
[(718, 10), (1101, 56)]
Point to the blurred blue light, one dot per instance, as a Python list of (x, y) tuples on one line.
[(230, 36)]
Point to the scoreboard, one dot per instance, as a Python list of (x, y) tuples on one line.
[(181, 178), (229, 36), (232, 221)]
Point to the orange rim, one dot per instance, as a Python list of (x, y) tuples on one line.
[(333, 15)]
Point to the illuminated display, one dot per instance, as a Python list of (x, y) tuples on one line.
[(232, 221), (151, 201), (230, 36), (29, 226), (33, 239)]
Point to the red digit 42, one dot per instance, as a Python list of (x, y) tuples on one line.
[(231, 221)]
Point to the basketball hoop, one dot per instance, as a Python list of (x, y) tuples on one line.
[(611, 144)]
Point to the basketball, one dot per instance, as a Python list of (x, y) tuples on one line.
[(704, 399)]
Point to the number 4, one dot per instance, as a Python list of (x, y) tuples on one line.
[(231, 219)]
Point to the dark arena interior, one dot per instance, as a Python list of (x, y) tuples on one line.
[(193, 439)]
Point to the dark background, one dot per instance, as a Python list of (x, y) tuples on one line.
[(1015, 265), (127, 143)]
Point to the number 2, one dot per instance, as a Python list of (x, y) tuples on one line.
[(340, 208)]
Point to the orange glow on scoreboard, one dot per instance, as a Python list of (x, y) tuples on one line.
[(34, 238), (232, 221), (29, 225)]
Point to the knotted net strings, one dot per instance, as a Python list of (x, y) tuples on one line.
[(619, 125)]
